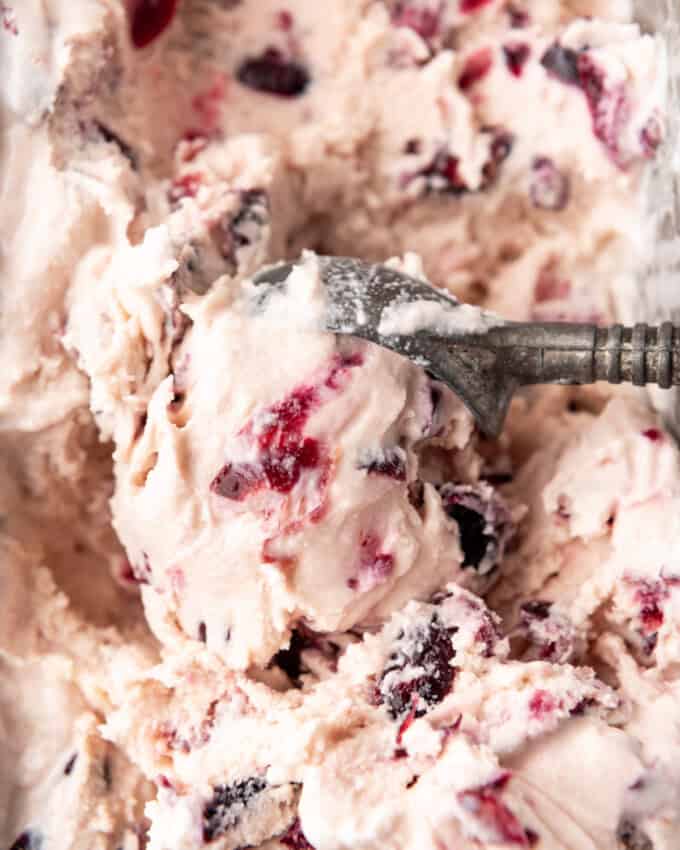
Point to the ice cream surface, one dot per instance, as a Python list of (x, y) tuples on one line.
[(263, 586)]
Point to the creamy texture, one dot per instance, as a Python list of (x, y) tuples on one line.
[(242, 561), (411, 317)]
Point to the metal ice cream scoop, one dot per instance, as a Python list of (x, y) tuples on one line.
[(483, 358)]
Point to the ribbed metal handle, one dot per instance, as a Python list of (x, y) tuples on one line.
[(564, 353)]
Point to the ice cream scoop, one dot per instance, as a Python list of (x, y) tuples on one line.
[(482, 357)]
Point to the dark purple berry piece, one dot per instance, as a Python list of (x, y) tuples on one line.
[(29, 839), (236, 481), (418, 673), (484, 524), (536, 609), (549, 189), (272, 73), (519, 19), (290, 659), (516, 56), (562, 63), (70, 764), (631, 837), (148, 19), (390, 463), (501, 148), (228, 802)]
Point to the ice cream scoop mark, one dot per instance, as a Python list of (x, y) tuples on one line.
[(295, 838), (70, 764), (476, 67), (30, 839), (562, 63), (227, 804), (148, 19), (272, 73), (516, 56)]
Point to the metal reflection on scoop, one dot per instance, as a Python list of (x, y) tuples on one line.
[(484, 363)]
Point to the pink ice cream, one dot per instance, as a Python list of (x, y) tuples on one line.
[(266, 587)]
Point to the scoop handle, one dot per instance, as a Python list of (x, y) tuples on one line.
[(566, 353)]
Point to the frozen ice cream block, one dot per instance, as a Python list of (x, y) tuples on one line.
[(311, 522)]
